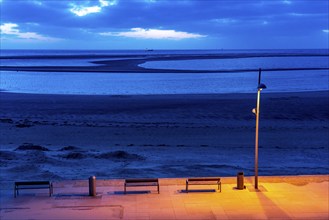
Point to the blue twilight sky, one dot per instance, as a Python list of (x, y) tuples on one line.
[(164, 24)]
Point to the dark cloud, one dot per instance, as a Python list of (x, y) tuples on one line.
[(236, 19)]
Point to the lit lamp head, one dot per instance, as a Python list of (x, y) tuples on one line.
[(261, 86)]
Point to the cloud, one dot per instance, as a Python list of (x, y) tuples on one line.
[(286, 2), (265, 23), (225, 20), (326, 30), (84, 10), (40, 3), (104, 3), (308, 14), (12, 29), (154, 34), (231, 24)]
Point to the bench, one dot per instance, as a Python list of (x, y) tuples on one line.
[(204, 181), (141, 182), (33, 185)]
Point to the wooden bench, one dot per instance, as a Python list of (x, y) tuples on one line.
[(141, 182), (33, 185), (204, 181)]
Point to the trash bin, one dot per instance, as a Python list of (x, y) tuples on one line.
[(240, 180), (92, 186)]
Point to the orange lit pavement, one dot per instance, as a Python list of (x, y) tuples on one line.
[(291, 197)]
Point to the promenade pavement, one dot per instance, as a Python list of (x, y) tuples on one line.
[(279, 197)]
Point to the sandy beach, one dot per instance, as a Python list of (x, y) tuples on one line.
[(119, 136), (73, 137)]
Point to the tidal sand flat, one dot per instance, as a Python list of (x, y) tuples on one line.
[(75, 136), (168, 61)]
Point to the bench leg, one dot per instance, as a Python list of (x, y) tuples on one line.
[(186, 187), (158, 189), (50, 190), (125, 189)]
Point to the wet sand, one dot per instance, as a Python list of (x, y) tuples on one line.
[(161, 135)]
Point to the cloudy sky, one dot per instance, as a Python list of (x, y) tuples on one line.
[(164, 24)]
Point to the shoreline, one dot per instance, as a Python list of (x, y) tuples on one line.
[(320, 93), (304, 92)]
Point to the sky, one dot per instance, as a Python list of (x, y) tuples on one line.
[(164, 24)]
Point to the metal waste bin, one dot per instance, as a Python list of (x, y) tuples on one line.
[(240, 180), (92, 186)]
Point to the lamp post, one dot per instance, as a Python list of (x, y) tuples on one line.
[(256, 111)]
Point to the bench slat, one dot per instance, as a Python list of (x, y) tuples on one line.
[(41, 187), (30, 183), (203, 179), (141, 184), (203, 183), (140, 180)]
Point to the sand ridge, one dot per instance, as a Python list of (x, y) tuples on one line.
[(131, 63)]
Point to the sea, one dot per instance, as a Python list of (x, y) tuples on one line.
[(295, 71)]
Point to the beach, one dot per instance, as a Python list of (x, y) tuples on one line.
[(126, 114), (75, 136)]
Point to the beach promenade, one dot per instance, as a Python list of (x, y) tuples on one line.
[(279, 197)]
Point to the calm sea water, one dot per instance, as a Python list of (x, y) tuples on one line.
[(167, 83)]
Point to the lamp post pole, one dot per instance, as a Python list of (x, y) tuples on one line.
[(256, 140), (257, 111)]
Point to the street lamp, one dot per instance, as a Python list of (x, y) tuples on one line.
[(256, 111)]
